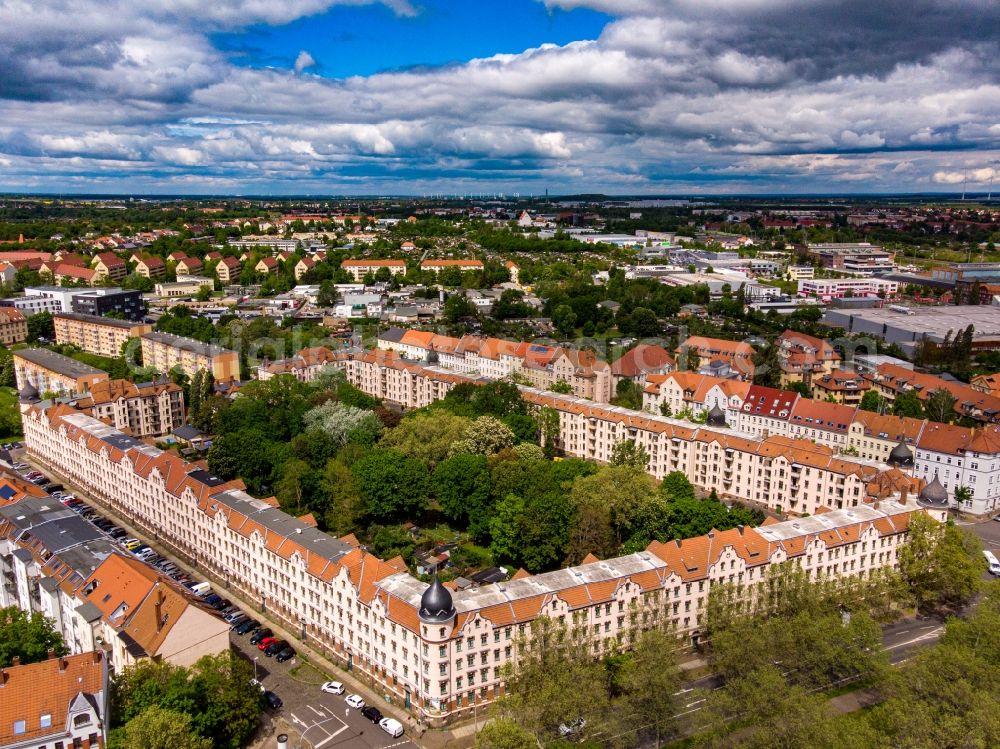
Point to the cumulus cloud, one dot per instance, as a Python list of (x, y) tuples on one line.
[(303, 61), (672, 95)]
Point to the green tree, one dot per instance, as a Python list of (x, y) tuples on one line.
[(908, 403), (504, 733), (341, 423), (41, 325), (564, 318), (562, 387), (394, 486), (556, 680), (629, 453), (767, 366), (249, 455), (548, 425), (27, 636), (651, 679), (427, 436), (628, 395), (676, 485), (486, 435), (159, 728), (875, 402), (458, 308), (941, 562), (344, 504), (461, 485), (940, 406)]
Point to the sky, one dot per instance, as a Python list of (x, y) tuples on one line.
[(411, 97)]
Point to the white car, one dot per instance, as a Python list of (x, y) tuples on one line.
[(333, 687), (355, 701), (392, 727)]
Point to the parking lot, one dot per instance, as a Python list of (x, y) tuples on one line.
[(323, 720)]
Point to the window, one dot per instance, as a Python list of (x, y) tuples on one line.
[(19, 727), (46, 720), (83, 719)]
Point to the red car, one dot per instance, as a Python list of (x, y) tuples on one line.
[(263, 644)]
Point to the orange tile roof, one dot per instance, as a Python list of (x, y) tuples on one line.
[(48, 688)]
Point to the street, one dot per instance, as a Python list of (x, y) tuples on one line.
[(324, 720)]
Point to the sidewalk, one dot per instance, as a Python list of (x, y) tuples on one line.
[(454, 737)]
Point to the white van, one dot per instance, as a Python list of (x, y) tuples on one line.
[(993, 562), (201, 589), (392, 727)]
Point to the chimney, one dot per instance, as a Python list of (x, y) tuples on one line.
[(158, 607), (903, 494), (876, 504), (3, 677), (15, 661), (20, 239), (63, 663), (97, 656), (50, 654)]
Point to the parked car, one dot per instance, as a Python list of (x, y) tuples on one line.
[(285, 654), (266, 642), (212, 599), (572, 727), (274, 648), (372, 713), (235, 623), (259, 635), (392, 727), (247, 625), (355, 701), (273, 700), (333, 687), (221, 604), (232, 614)]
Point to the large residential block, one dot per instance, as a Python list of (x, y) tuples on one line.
[(439, 265), (305, 365), (56, 562), (49, 372), (439, 652), (104, 336), (150, 409), (165, 351), (702, 352), (360, 268)]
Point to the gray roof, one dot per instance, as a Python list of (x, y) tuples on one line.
[(185, 344), (89, 612), (98, 319), (57, 362), (392, 335)]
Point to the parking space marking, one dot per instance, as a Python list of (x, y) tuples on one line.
[(318, 712), (332, 736), (398, 743)]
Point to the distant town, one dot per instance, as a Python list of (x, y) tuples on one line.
[(387, 456)]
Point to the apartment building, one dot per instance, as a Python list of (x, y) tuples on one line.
[(104, 336), (804, 357), (305, 366), (701, 351), (386, 375), (860, 258), (228, 269), (641, 361), (165, 351), (49, 372), (267, 265), (495, 358), (438, 265), (890, 380), (303, 266), (840, 386), (189, 266), (127, 302), (441, 653), (144, 615), (826, 289), (13, 326), (360, 268), (678, 393), (150, 409), (150, 267), (55, 562), (109, 266), (954, 457), (65, 274), (60, 702)]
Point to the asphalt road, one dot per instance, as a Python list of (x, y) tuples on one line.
[(325, 720)]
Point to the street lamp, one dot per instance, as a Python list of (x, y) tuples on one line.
[(255, 667)]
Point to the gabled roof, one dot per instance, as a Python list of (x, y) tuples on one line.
[(830, 417), (769, 402), (642, 359)]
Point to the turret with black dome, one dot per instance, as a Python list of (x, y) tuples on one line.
[(28, 394), (934, 495), (901, 455), (436, 605), (716, 416)]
